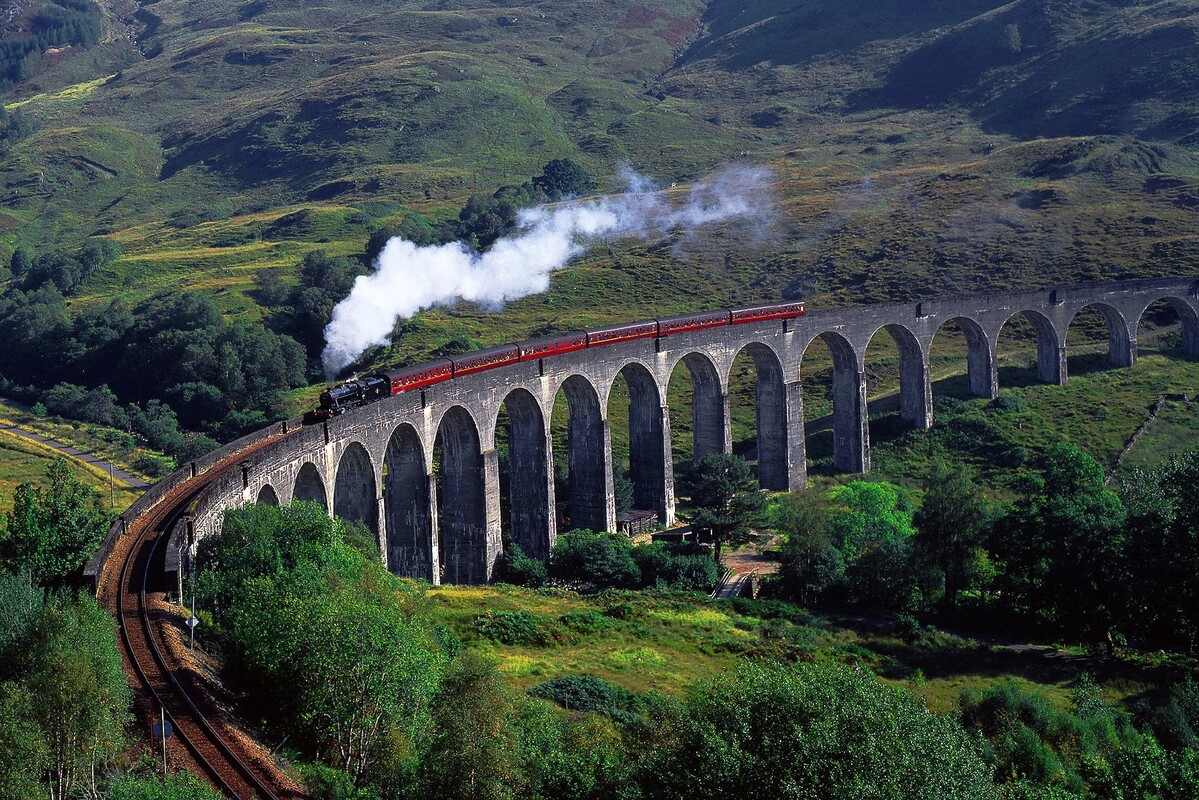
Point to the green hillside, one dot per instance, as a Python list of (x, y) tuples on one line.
[(916, 148)]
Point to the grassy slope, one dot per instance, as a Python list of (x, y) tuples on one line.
[(667, 643), (225, 117)]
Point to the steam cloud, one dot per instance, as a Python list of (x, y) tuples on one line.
[(408, 278)]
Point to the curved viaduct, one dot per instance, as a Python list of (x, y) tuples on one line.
[(376, 463)]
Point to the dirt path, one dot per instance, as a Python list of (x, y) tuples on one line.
[(67, 450)]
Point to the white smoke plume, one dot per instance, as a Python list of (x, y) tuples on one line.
[(408, 278)]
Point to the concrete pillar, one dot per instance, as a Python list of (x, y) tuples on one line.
[(590, 502), (492, 539), (982, 366), (796, 444), (470, 523), (551, 495), (407, 518), (915, 389), (727, 428), (609, 510), (1121, 347), (851, 422), (354, 490), (774, 428), (530, 478), (709, 420), (1051, 363), (1190, 340), (666, 513), (649, 450), (435, 569)]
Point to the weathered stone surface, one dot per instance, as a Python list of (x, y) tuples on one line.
[(376, 463)]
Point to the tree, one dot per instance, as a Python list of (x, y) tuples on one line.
[(53, 530), (1062, 548), (473, 753), (78, 692), (815, 731), (24, 756), (564, 177), (322, 637), (728, 501), (20, 603), (810, 564), (1163, 551), (604, 559), (870, 523), (950, 526)]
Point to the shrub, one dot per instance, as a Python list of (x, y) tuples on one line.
[(517, 568), (585, 621), (1010, 401), (589, 693), (513, 627), (602, 559), (676, 566)]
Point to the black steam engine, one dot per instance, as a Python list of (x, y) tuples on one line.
[(356, 392)]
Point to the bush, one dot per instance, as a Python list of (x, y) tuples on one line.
[(1010, 402), (680, 565), (517, 568), (601, 559), (589, 693), (513, 627), (152, 465), (814, 730)]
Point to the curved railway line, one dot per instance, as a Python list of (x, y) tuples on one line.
[(204, 739)]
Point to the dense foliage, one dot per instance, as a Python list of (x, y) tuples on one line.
[(611, 560), (64, 696), (52, 529), (175, 362), (815, 731), (1068, 556), (60, 22)]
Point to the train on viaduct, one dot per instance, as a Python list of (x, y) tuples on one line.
[(375, 463)]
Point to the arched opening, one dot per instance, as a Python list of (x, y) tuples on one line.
[(1018, 334), (960, 341), (645, 447), (580, 457), (698, 423), (267, 496), (354, 495), (461, 500), (897, 381), (834, 391), (309, 486), (763, 437), (1093, 330), (524, 475), (1169, 326), (406, 509)]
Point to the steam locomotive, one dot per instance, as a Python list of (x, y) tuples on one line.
[(360, 391)]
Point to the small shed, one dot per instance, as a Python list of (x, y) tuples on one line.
[(636, 521)]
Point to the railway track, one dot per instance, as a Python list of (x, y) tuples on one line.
[(204, 740)]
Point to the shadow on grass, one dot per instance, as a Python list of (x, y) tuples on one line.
[(1087, 364), (960, 658)]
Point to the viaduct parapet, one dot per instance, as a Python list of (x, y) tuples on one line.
[(376, 463)]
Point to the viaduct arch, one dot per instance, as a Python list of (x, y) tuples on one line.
[(420, 469)]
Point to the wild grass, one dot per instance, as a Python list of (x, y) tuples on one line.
[(668, 642)]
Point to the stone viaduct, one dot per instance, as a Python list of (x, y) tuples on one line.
[(376, 463)]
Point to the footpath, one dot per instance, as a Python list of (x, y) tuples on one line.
[(88, 458)]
